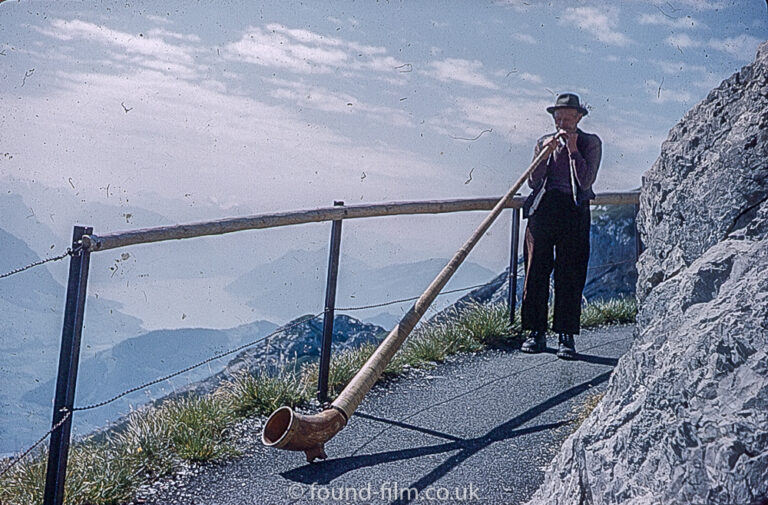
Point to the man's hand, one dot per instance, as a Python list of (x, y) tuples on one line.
[(561, 135), (570, 142)]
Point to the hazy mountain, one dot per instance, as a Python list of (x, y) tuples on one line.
[(32, 305), (295, 283), (23, 207), (612, 270), (613, 253), (144, 358)]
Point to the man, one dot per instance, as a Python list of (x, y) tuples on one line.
[(557, 234)]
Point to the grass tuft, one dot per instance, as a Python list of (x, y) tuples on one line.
[(344, 365), (602, 312), (96, 473), (145, 443), (488, 325), (197, 427), (26, 482), (259, 394)]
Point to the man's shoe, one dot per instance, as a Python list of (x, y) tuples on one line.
[(536, 342), (567, 347)]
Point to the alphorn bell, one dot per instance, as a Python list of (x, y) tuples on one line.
[(287, 429)]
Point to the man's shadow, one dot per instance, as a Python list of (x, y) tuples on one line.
[(325, 472), (588, 358)]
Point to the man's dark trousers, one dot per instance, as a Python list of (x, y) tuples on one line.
[(557, 236)]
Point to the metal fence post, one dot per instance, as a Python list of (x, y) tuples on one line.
[(330, 304), (69, 358), (512, 280)]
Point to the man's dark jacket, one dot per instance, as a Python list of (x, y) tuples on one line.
[(586, 160)]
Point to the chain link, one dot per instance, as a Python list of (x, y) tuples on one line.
[(40, 441), (68, 252)]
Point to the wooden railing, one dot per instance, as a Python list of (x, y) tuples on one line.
[(175, 232)]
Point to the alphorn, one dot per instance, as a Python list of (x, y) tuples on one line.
[(287, 429)]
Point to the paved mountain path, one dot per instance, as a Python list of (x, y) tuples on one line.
[(483, 426)]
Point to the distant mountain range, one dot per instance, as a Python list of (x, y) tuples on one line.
[(295, 284)]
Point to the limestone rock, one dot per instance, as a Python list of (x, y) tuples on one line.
[(685, 417)]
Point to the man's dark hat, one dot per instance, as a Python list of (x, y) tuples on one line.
[(567, 101)]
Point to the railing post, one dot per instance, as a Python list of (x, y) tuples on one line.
[(512, 281), (330, 304), (69, 358)]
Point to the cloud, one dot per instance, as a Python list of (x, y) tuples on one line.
[(520, 119), (159, 20), (742, 47), (524, 37), (275, 49), (316, 97), (600, 22), (580, 49), (180, 137), (682, 41), (131, 44), (150, 51), (162, 33), (518, 5), (681, 23), (531, 77), (306, 52), (699, 5), (629, 139), (458, 70), (677, 67)]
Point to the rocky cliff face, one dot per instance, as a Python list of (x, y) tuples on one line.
[(685, 417)]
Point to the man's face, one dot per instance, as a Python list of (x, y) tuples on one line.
[(567, 119)]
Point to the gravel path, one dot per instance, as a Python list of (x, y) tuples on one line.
[(480, 428)]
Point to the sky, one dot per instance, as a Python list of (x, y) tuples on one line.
[(200, 109)]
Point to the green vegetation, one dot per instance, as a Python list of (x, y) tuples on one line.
[(260, 393), (155, 440)]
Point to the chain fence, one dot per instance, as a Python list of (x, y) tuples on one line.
[(68, 252)]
